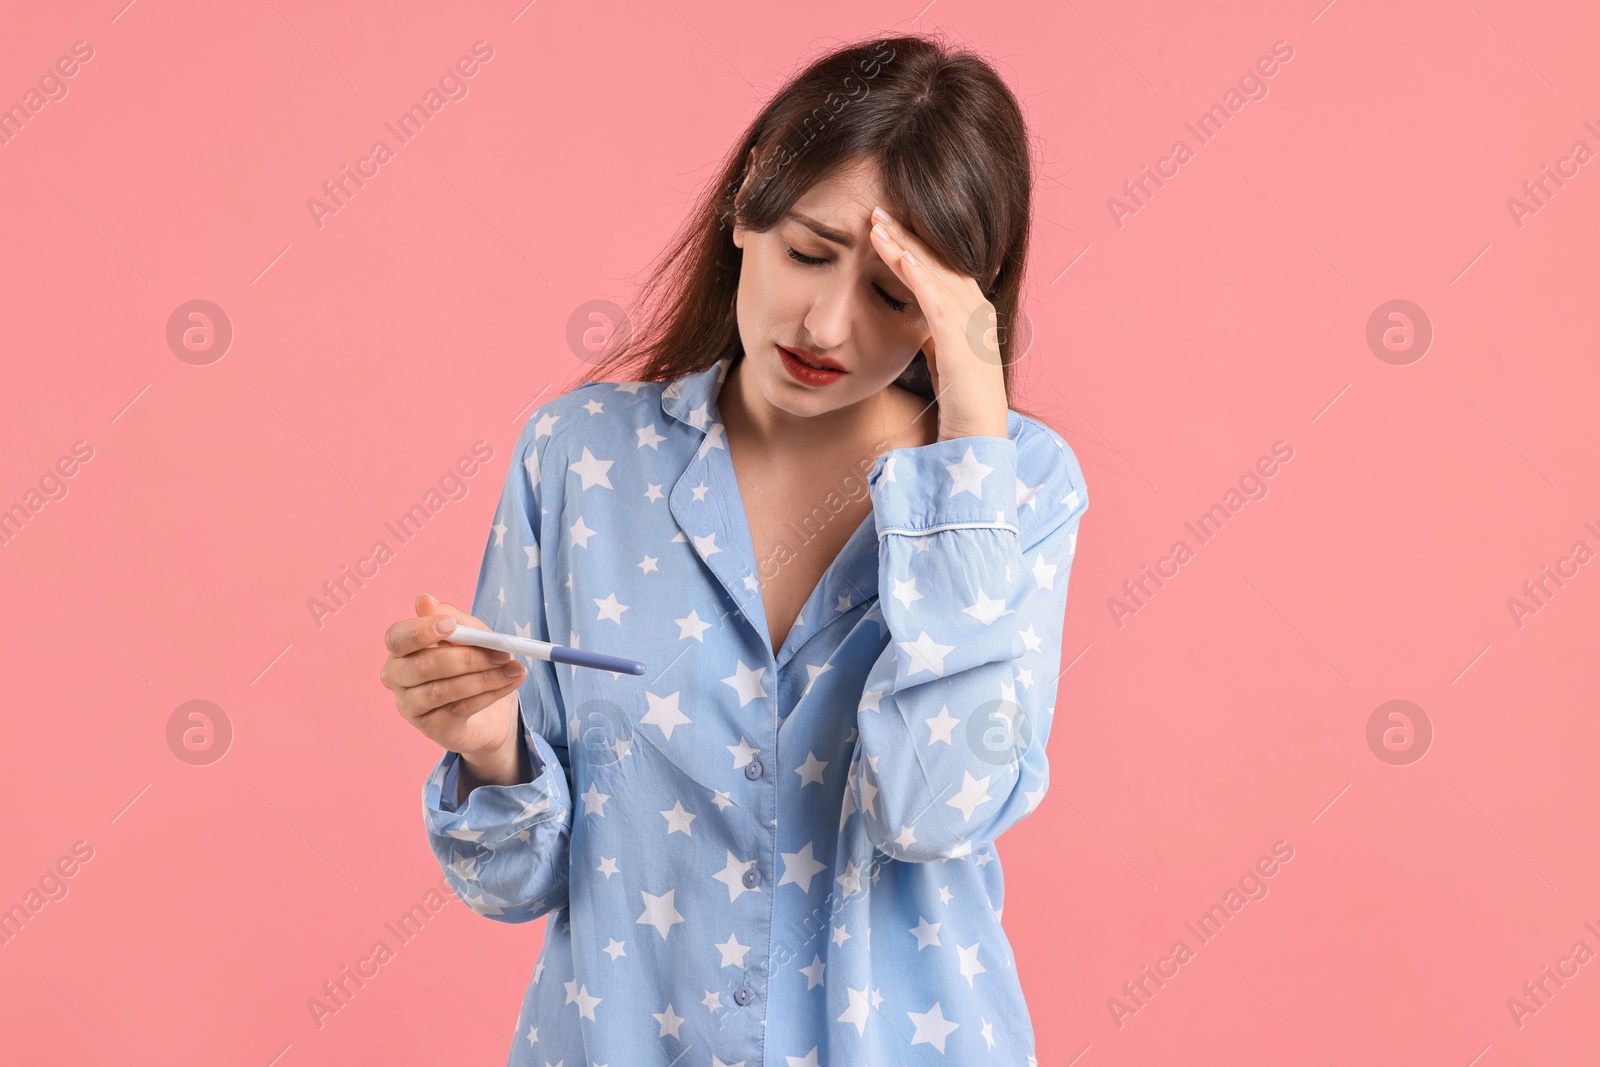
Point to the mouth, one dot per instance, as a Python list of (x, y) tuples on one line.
[(813, 361), (802, 369)]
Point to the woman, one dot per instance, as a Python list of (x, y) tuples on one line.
[(849, 601)]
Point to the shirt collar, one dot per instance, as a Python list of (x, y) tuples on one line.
[(692, 399)]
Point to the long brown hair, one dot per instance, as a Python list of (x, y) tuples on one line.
[(952, 147)]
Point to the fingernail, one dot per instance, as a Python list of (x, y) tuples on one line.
[(511, 670), (445, 625), (879, 213), (879, 231)]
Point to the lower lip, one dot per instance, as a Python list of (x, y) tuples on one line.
[(805, 374)]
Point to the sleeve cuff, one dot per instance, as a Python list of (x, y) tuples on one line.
[(494, 813), (962, 482)]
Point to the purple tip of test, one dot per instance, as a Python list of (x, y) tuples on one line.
[(580, 658)]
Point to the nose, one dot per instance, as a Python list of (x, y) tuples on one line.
[(833, 307)]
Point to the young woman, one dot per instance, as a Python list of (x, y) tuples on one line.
[(813, 513)]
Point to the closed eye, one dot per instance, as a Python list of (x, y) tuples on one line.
[(811, 261)]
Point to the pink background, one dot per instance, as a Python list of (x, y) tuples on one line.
[(1230, 712)]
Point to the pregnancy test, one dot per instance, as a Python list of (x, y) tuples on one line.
[(526, 646)]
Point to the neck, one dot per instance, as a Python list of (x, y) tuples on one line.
[(747, 415)]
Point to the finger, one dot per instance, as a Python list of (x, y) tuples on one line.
[(902, 263), (470, 706), (915, 268), (410, 635), (911, 247), (420, 700), (446, 661)]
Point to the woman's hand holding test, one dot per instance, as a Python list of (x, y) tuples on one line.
[(463, 698)]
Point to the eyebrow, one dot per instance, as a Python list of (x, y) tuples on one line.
[(825, 232)]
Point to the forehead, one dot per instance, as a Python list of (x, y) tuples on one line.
[(846, 194)]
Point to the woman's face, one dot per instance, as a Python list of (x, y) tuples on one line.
[(827, 295)]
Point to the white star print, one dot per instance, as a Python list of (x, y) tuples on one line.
[(932, 1027), (926, 654), (856, 1014), (733, 876), (742, 753), (906, 591), (670, 1021), (648, 564), (659, 912), (974, 791), (581, 997), (746, 682), (926, 933), (850, 880), (610, 609), (969, 962), (1029, 638), (813, 971), (614, 949), (678, 819), (579, 533), (800, 867), (592, 470), (1044, 573), (811, 770), (607, 867), (664, 714), (813, 671), (986, 609), (1025, 494), (594, 407), (595, 801), (732, 952), (648, 436), (941, 725), (653, 493), (967, 477), (692, 625), (543, 427)]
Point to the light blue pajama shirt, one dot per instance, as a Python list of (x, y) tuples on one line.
[(749, 859)]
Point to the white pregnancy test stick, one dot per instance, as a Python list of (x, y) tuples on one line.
[(545, 650)]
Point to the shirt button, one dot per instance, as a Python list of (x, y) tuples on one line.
[(743, 995), (752, 877), (752, 770)]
